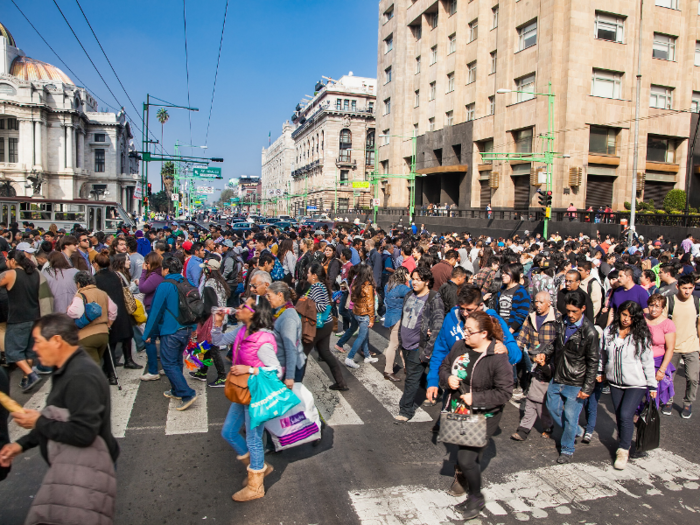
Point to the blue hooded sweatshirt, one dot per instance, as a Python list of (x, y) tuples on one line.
[(162, 319), (451, 332)]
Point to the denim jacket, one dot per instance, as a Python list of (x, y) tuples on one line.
[(393, 300)]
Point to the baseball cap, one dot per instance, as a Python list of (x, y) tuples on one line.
[(212, 264), (187, 245), (25, 247), (228, 243)]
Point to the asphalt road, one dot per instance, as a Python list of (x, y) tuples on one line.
[(175, 468)]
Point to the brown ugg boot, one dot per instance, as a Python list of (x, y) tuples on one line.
[(245, 459), (268, 471), (254, 489)]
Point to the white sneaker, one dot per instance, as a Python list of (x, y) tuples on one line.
[(371, 359), (350, 363), (621, 458), (150, 377)]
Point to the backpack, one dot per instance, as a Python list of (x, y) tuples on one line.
[(92, 311), (672, 303), (189, 304), (277, 272)]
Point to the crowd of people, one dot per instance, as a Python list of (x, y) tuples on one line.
[(473, 323)]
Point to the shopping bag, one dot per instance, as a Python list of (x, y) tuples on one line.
[(300, 425), (648, 428), (269, 397)]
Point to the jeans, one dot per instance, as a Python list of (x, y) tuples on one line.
[(152, 356), (362, 340), (691, 369), (171, 348), (625, 401), (138, 339), (237, 417), (344, 312), (591, 406), (349, 332), (565, 409), (414, 373)]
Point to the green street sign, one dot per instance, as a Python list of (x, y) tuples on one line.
[(209, 173), (360, 184), (198, 202)]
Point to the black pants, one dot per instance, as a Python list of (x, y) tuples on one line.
[(415, 376), (322, 343), (214, 353), (469, 458)]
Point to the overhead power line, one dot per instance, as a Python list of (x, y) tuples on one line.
[(216, 75), (187, 66)]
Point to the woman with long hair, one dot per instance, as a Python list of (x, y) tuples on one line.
[(512, 300), (331, 264), (485, 254), (627, 363), (362, 293), (479, 381), (394, 293), (215, 293), (151, 277), (301, 268), (121, 265), (254, 347), (60, 276), (663, 343), (286, 256), (350, 331)]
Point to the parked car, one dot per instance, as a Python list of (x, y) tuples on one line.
[(241, 228)]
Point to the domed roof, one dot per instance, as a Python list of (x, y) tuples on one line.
[(4, 32), (30, 69)]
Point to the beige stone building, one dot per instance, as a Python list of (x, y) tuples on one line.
[(276, 174), (334, 146), (441, 63)]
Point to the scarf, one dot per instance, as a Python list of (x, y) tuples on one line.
[(279, 312)]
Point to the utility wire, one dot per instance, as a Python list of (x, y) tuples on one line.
[(187, 67), (216, 75)]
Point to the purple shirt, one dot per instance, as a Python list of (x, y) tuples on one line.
[(637, 294)]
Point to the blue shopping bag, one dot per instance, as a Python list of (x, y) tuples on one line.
[(269, 397)]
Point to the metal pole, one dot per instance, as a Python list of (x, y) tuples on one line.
[(145, 130), (375, 177), (636, 126), (549, 157), (144, 211)]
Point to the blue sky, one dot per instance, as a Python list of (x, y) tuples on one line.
[(273, 54)]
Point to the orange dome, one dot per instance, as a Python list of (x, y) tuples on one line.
[(4, 32), (30, 69)]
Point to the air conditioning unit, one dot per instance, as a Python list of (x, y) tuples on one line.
[(493, 180), (575, 177), (641, 177)]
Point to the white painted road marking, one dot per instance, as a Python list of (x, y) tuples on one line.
[(194, 419), (123, 400), (528, 493), (333, 406), (36, 402)]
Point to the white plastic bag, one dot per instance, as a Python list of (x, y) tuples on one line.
[(297, 426)]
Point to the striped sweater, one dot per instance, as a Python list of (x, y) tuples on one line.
[(621, 365), (514, 310)]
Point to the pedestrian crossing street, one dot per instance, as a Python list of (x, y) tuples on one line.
[(333, 405)]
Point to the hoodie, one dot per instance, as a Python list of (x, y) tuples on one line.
[(451, 332), (162, 319)]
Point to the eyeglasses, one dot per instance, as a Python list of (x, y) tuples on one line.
[(248, 308)]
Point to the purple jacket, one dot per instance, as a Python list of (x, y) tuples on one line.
[(147, 286)]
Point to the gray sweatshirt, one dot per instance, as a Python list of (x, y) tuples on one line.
[(622, 367)]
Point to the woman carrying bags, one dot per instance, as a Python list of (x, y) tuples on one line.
[(473, 375), (254, 347), (627, 362), (663, 342)]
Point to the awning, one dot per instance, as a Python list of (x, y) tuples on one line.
[(606, 171), (443, 169)]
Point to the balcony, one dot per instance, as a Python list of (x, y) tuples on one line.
[(307, 168), (345, 159)]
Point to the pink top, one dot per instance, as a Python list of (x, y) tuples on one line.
[(658, 336)]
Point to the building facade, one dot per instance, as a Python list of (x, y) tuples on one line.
[(334, 147), (249, 193), (276, 174), (51, 131), (444, 62)]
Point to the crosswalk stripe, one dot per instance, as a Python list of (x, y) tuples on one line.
[(386, 392), (193, 420), (123, 400), (36, 402), (333, 406)]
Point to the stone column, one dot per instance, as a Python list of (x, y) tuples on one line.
[(38, 144), (26, 144), (81, 149), (70, 153)]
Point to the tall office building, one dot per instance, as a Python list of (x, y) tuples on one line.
[(441, 65)]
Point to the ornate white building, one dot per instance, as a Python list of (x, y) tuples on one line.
[(276, 177), (52, 134)]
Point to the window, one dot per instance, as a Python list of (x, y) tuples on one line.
[(369, 148), (671, 4), (661, 97), (471, 72), (432, 91), (353, 107), (452, 45), (346, 104), (607, 84), (99, 160), (494, 12), (609, 27), (12, 150), (433, 55), (602, 140), (471, 108), (388, 14), (486, 146), (527, 35), (370, 107), (385, 137), (493, 61), (417, 31), (385, 167), (2, 149), (12, 124), (431, 124), (417, 99), (387, 75), (661, 149), (473, 30), (338, 104), (388, 43), (452, 7), (387, 106), (433, 19), (492, 105), (100, 137), (694, 105), (664, 47), (449, 119), (344, 176), (697, 52), (523, 140), (417, 65), (450, 82), (526, 84), (345, 145)]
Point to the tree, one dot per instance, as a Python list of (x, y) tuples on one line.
[(674, 201), (162, 117), (167, 174), (226, 196), (159, 202)]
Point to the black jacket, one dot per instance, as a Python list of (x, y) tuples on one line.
[(576, 361), (81, 387), (432, 317), (491, 381), (448, 292)]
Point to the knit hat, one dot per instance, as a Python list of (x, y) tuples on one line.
[(138, 234)]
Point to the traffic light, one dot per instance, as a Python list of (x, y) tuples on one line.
[(542, 198), (149, 189), (217, 159), (548, 200)]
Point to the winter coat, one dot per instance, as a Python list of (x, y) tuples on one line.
[(365, 306), (80, 485), (143, 247), (518, 310), (491, 380), (432, 318), (62, 286), (442, 271), (109, 282), (374, 260), (290, 351), (162, 319), (448, 292), (148, 284), (622, 367)]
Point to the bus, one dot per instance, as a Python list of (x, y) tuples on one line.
[(94, 215)]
